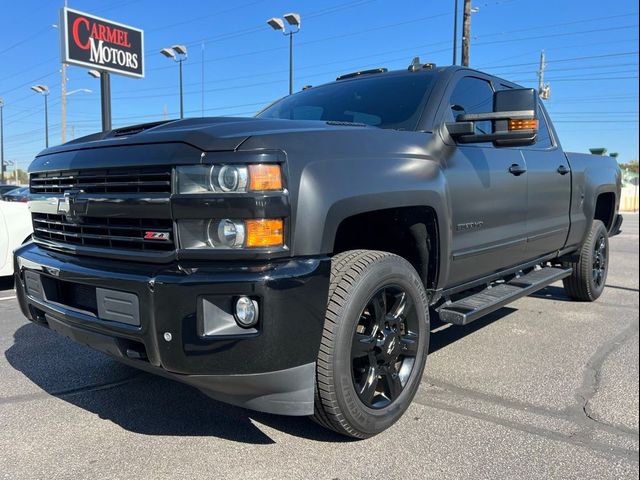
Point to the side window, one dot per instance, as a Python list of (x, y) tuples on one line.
[(544, 137), (472, 95)]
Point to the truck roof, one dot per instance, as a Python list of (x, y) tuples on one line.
[(414, 68)]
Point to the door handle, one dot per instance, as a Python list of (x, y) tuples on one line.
[(563, 170), (517, 170)]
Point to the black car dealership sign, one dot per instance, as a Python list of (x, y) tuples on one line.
[(94, 42)]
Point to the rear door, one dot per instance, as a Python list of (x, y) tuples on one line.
[(548, 192), (488, 203)]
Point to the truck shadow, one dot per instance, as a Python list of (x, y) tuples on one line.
[(152, 405), (443, 334), (552, 293)]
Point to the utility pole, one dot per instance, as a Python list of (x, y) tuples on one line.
[(455, 32), (544, 91), (466, 33), (1, 141), (63, 103), (63, 94), (541, 73)]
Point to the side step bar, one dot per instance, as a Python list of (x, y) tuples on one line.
[(470, 308)]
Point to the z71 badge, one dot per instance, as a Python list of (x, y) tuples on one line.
[(163, 236)]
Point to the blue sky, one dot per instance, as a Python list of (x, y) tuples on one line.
[(591, 49)]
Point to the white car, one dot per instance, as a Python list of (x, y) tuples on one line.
[(15, 229)]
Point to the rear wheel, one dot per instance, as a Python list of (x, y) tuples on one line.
[(374, 343), (587, 281)]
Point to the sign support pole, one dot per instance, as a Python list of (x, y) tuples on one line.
[(105, 100)]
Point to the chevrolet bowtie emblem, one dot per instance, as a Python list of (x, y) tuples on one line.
[(71, 207)]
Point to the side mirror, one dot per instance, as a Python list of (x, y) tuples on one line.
[(514, 119)]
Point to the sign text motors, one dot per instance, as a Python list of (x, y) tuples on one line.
[(94, 42)]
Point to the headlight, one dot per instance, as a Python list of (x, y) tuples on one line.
[(231, 234), (229, 178), (225, 233)]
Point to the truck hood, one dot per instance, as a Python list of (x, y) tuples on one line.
[(206, 134)]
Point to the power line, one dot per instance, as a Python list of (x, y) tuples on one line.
[(25, 40), (247, 31), (573, 59)]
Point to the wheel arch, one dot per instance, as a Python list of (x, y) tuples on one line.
[(412, 231)]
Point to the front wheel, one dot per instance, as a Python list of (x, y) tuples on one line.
[(587, 281), (374, 345)]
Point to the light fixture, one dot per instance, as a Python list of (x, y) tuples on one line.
[(180, 49), (168, 52), (292, 19), (43, 89), (276, 23), (246, 312)]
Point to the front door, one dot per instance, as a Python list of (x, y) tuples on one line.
[(488, 197)]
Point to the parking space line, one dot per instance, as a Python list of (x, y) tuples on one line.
[(7, 298)]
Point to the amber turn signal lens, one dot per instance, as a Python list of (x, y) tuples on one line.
[(529, 124), (265, 233), (265, 177)]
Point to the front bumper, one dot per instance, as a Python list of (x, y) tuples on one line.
[(270, 368)]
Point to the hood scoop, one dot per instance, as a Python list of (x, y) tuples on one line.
[(134, 129)]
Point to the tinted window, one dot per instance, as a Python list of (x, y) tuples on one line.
[(544, 137), (472, 95), (385, 101)]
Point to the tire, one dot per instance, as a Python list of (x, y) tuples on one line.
[(358, 347), (589, 276)]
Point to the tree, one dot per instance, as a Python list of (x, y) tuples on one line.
[(631, 166)]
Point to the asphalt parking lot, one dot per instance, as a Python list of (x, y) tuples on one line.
[(546, 388)]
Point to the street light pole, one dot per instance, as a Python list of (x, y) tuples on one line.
[(46, 120), (293, 19), (290, 63), (44, 91), (179, 54), (181, 98)]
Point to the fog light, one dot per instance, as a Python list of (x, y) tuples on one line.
[(246, 312)]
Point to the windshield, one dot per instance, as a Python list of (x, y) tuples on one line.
[(385, 101)]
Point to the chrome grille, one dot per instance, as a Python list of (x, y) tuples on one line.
[(125, 233), (141, 180)]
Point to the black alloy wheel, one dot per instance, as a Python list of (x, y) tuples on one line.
[(385, 343), (374, 344), (589, 276), (599, 260)]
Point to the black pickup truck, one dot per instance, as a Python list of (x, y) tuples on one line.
[(290, 262)]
